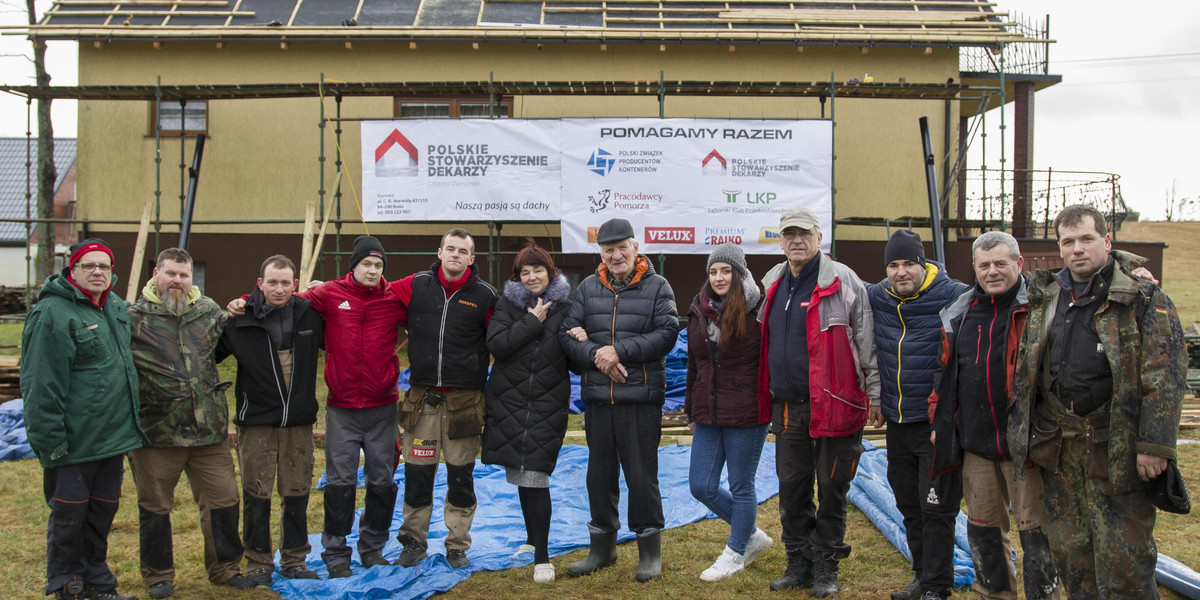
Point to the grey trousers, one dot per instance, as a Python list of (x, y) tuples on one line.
[(372, 431)]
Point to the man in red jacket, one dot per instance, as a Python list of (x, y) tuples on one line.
[(362, 319)]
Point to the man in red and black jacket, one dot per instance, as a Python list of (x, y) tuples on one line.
[(448, 308)]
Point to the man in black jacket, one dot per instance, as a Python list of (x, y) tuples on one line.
[(449, 307), (621, 324), (276, 343)]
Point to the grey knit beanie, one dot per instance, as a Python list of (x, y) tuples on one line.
[(732, 255)]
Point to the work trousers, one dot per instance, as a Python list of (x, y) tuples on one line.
[(801, 461), (348, 431), (989, 487), (1103, 544), (83, 499), (624, 438), (739, 448), (273, 457), (209, 469), (426, 444), (928, 504)]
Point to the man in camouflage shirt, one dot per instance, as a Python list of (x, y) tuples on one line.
[(183, 411), (1096, 397)]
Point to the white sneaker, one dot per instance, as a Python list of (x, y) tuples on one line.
[(728, 563), (757, 544), (543, 572), (523, 548)]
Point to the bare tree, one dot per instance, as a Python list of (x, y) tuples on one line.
[(1176, 208), (47, 174)]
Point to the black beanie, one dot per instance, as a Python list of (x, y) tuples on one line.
[(364, 246), (904, 245)]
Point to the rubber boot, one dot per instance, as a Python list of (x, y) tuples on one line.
[(798, 574), (649, 555), (1041, 577), (603, 553), (825, 573)]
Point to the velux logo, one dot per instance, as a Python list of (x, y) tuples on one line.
[(670, 235)]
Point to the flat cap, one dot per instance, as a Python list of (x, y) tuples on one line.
[(613, 231)]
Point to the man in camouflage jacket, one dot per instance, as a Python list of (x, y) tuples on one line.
[(1096, 403), (185, 416)]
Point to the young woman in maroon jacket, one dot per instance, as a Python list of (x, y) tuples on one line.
[(726, 410)]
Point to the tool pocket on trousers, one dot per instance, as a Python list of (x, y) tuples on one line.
[(410, 408), (846, 462), (464, 414), (1045, 445)]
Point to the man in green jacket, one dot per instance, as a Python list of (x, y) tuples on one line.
[(1096, 401), (183, 409), (81, 416)]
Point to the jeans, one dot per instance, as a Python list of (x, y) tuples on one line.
[(739, 447)]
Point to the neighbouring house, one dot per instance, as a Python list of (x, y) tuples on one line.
[(18, 200)]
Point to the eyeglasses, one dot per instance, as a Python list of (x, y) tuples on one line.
[(793, 234), (103, 268)]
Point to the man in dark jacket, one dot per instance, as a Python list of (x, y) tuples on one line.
[(184, 412), (621, 325), (1096, 402), (362, 320), (276, 344), (818, 359), (908, 337), (982, 332), (448, 308), (81, 416)]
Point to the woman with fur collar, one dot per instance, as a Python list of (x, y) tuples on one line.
[(528, 391)]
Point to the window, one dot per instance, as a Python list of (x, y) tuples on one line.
[(450, 108), (192, 115)]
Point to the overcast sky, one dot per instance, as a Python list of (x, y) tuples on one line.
[(1127, 103)]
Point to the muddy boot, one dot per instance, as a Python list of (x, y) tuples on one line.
[(649, 555), (1041, 577), (603, 553), (798, 574), (825, 573)]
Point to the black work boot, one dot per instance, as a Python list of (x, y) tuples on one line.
[(71, 590), (649, 555), (603, 553), (825, 573), (798, 574), (912, 591)]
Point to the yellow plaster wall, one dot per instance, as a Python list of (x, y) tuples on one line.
[(261, 159)]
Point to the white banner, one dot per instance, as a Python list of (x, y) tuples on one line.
[(684, 184), (689, 184), (460, 170)]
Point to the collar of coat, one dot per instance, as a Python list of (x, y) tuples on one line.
[(150, 292), (558, 291), (641, 268)]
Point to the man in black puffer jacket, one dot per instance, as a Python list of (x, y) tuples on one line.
[(276, 343), (621, 325)]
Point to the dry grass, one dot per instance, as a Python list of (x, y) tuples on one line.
[(1181, 270)]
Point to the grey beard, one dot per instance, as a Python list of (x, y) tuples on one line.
[(174, 304)]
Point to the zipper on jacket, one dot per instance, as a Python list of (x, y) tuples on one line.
[(442, 333), (843, 400), (613, 333), (988, 371), (899, 361), (537, 346), (979, 342)]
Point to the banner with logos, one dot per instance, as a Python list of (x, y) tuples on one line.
[(687, 185), (461, 170), (684, 184)]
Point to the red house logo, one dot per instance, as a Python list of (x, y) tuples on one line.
[(713, 164), (396, 156)]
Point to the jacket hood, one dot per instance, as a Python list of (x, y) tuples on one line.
[(558, 291), (150, 292), (934, 274), (641, 269), (59, 284)]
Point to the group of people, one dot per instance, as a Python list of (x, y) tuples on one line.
[(1057, 392)]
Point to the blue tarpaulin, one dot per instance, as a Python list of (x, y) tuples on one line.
[(498, 528), (13, 443)]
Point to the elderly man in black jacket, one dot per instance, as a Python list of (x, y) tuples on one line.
[(621, 325), (276, 343)]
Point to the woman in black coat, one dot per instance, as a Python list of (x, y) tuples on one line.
[(528, 391)]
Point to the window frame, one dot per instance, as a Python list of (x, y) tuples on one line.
[(174, 131), (455, 106)]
